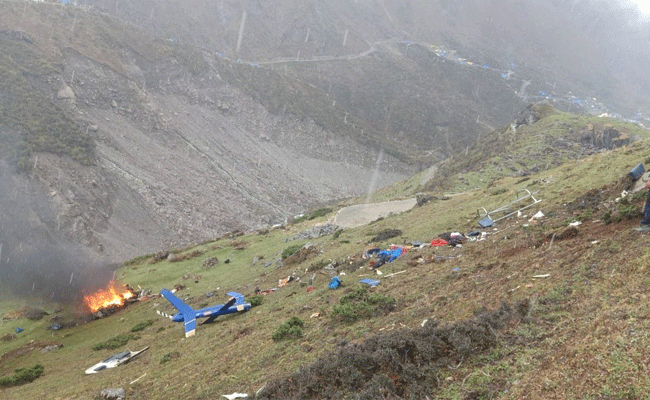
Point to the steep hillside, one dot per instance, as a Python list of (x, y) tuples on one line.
[(130, 144), (545, 307), (592, 48), (539, 138), (310, 97)]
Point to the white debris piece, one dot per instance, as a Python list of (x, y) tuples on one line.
[(235, 396)]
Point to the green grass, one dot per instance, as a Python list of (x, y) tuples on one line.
[(246, 339), (595, 294)]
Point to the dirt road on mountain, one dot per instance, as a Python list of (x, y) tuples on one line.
[(361, 214)]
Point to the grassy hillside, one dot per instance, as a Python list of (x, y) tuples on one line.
[(581, 335)]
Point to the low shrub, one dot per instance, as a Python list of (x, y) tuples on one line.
[(22, 376), (169, 356), (256, 301), (139, 327), (116, 342), (361, 304), (289, 251), (318, 265), (629, 211), (292, 329), (405, 363)]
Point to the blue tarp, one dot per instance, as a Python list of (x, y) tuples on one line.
[(369, 281), (335, 283), (390, 255)]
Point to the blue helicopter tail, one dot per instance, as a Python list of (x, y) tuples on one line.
[(239, 301), (189, 314)]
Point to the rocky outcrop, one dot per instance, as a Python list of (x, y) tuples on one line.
[(603, 137)]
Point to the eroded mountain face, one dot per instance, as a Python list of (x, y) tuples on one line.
[(180, 159), (287, 105)]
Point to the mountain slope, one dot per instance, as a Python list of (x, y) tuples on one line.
[(154, 148), (302, 110), (580, 335)]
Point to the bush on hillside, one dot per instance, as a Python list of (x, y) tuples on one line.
[(361, 304), (255, 301), (22, 376), (292, 329), (289, 251), (142, 325), (407, 363), (116, 342)]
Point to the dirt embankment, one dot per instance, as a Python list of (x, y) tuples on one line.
[(361, 214)]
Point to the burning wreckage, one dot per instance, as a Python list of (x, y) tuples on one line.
[(106, 301)]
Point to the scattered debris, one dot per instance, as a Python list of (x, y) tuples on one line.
[(370, 282), (637, 171), (387, 256), (235, 396), (335, 283), (542, 276), (315, 315), (538, 215), (134, 381), (19, 329), (395, 273), (267, 291), (526, 200), (115, 361)]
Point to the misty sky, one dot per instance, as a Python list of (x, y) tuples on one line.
[(644, 5)]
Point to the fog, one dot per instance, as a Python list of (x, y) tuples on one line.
[(34, 261)]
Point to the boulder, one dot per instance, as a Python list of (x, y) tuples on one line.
[(65, 93), (113, 394)]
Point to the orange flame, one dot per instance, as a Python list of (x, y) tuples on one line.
[(107, 297)]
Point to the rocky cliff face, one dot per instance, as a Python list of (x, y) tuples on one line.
[(179, 157), (186, 159), (134, 144)]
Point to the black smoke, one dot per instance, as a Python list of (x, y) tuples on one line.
[(34, 261)]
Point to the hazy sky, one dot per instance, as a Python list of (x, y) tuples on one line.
[(644, 5)]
